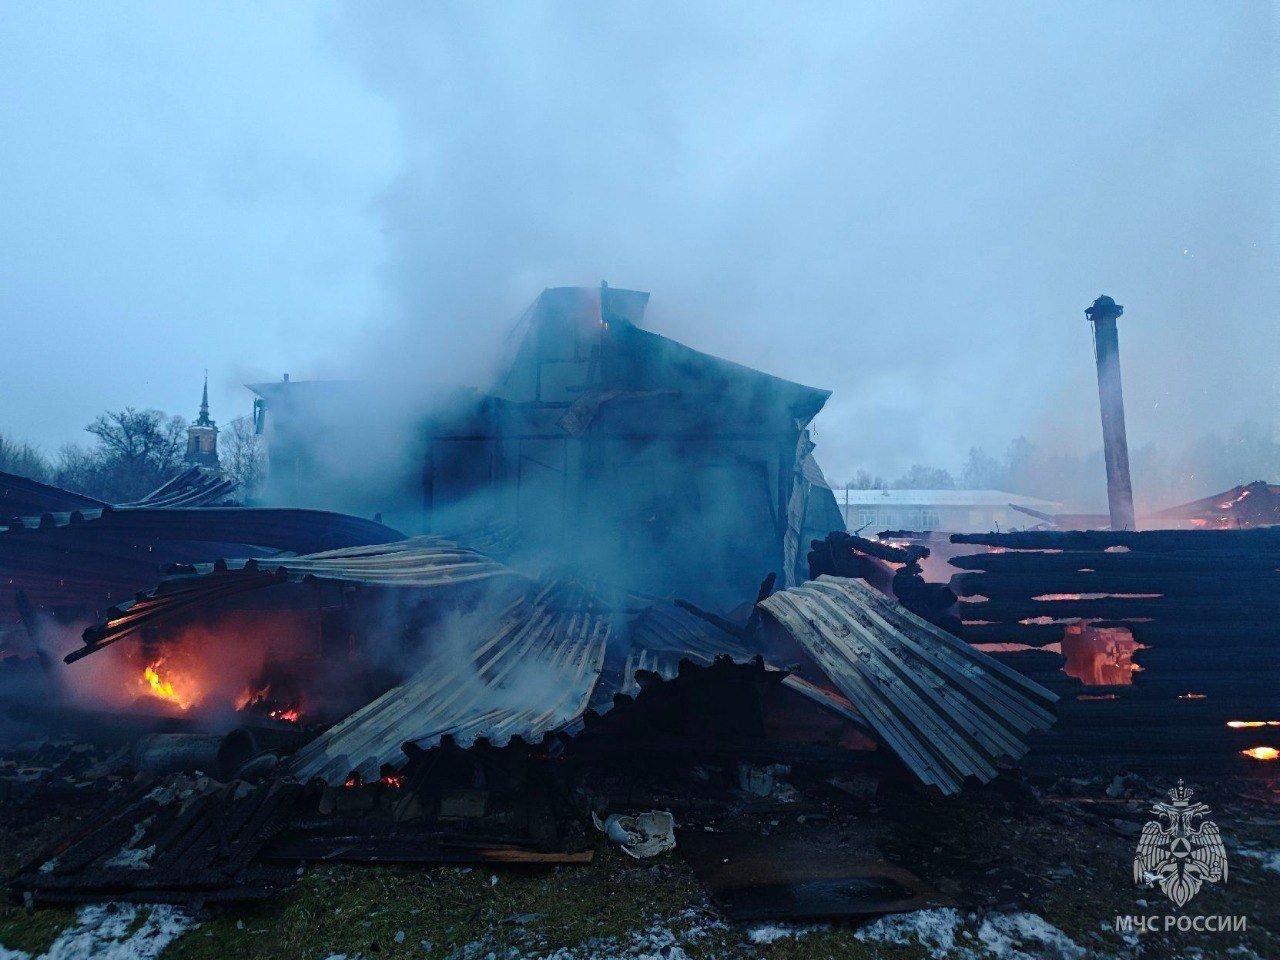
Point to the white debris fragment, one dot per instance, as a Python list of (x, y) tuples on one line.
[(107, 932), (644, 835)]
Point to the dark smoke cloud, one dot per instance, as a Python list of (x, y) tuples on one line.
[(909, 204)]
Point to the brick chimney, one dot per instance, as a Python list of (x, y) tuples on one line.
[(1115, 446)]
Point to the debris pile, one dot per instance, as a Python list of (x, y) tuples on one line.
[(492, 751)]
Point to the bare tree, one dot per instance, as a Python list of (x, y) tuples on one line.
[(922, 477), (243, 457), (136, 451), (24, 460), (865, 481)]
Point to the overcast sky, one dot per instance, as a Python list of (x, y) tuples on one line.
[(908, 204)]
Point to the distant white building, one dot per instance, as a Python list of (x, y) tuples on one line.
[(952, 511)]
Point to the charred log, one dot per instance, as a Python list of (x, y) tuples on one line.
[(1256, 538)]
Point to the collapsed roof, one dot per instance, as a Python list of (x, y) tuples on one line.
[(945, 709)]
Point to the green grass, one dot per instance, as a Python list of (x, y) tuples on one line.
[(359, 910), (33, 933), (347, 909)]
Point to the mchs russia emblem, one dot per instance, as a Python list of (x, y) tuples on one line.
[(1179, 854)]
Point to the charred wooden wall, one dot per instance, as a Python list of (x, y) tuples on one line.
[(1203, 605)]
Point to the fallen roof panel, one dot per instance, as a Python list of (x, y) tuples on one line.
[(947, 710), (530, 674)]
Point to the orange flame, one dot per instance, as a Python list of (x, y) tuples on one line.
[(290, 715), (1262, 753), (251, 695), (1244, 724), (161, 688)]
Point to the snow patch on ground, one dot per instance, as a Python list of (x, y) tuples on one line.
[(660, 941), (114, 932), (1267, 859), (1024, 936), (944, 933), (130, 856), (934, 930), (773, 932)]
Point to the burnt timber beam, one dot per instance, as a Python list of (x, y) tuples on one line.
[(1187, 610), (973, 583), (1223, 562), (1253, 538)]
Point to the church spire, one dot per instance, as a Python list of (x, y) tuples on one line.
[(203, 420), (202, 436)]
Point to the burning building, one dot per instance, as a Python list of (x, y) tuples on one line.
[(655, 466), (1254, 504)]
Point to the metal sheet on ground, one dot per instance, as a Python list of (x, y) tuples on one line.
[(754, 877)]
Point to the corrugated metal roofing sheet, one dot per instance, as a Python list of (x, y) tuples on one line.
[(27, 503), (194, 487), (666, 634), (529, 675), (947, 710), (20, 496), (418, 563), (85, 565)]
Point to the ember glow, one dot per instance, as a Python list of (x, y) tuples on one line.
[(1231, 503), (1100, 656), (393, 780), (161, 688), (259, 699), (1262, 753)]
